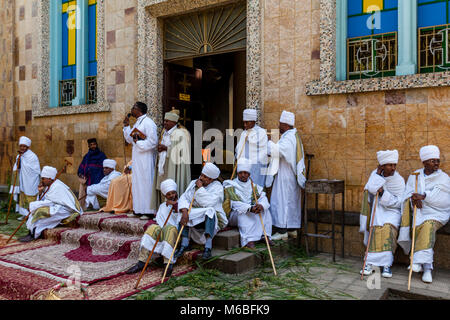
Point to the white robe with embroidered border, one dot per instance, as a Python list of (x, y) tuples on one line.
[(285, 202), (249, 223), (163, 247), (99, 189), (28, 178), (144, 157), (255, 150), (62, 203), (388, 210), (208, 200), (435, 206)]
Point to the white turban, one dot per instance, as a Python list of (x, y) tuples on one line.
[(211, 171), (243, 164), (288, 118), (171, 116), (109, 163), (388, 156), (167, 186), (429, 152), (250, 115), (49, 172), (24, 140)]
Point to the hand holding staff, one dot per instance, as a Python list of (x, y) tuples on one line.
[(370, 235), (264, 229), (178, 239), (413, 234), (240, 154), (151, 254)]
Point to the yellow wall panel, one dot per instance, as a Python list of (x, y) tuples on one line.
[(372, 5)]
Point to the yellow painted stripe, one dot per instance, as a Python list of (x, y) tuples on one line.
[(91, 2), (72, 51), (372, 5), (69, 5)]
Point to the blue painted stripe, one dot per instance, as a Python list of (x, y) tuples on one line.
[(354, 7), (92, 32), (92, 69), (389, 4), (432, 15), (357, 26), (389, 22), (65, 40)]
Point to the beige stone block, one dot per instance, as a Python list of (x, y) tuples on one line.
[(271, 8), (438, 96), (272, 75), (337, 119), (320, 119), (356, 119), (272, 29), (287, 78), (271, 52), (395, 116), (375, 119), (354, 146), (287, 27), (355, 172), (442, 140), (287, 52), (438, 117), (414, 140), (416, 116), (303, 121)]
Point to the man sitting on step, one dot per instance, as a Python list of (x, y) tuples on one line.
[(100, 190), (207, 195), (165, 224), (57, 204), (243, 209)]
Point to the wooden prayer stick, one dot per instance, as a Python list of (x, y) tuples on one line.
[(264, 229), (178, 239), (240, 154), (370, 235), (413, 234), (20, 225), (151, 254), (12, 193)]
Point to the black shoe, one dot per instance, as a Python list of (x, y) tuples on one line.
[(206, 254), (27, 238), (181, 251), (169, 270), (136, 268)]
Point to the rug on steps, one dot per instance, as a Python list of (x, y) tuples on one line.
[(101, 249)]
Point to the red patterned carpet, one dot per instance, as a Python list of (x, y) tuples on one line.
[(96, 254)]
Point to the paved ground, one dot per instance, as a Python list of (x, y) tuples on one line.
[(303, 278)]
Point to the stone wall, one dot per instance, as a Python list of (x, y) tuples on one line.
[(344, 131)]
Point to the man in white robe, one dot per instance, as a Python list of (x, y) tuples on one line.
[(56, 205), (100, 189), (288, 166), (242, 208), (166, 224), (144, 138), (28, 177), (390, 186), (207, 208), (174, 158), (254, 141), (433, 210)]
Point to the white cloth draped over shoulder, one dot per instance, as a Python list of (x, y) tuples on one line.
[(208, 202), (255, 149), (285, 200), (249, 223), (28, 177), (435, 206), (144, 157), (388, 210), (62, 203), (99, 189)]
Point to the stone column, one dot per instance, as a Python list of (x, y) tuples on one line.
[(407, 37)]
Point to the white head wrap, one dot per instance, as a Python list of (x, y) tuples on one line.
[(49, 172), (167, 186), (211, 171), (171, 116), (429, 152), (24, 140), (109, 163), (250, 115), (288, 118), (388, 156), (243, 164)]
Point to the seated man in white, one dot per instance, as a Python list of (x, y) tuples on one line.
[(241, 205), (207, 208), (57, 204), (101, 189)]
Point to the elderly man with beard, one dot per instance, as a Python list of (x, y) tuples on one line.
[(433, 210), (388, 185)]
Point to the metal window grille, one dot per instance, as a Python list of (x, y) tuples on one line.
[(67, 91), (91, 90), (433, 49)]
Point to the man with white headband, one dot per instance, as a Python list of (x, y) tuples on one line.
[(27, 164), (100, 190), (206, 210), (433, 210), (288, 165), (254, 141), (386, 183), (174, 158), (242, 208), (56, 205), (169, 232)]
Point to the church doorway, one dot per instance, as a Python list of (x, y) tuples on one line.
[(205, 71)]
